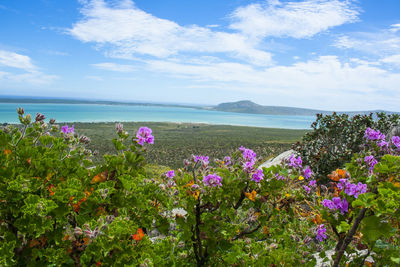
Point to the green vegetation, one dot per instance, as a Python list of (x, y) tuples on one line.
[(57, 209), (175, 142)]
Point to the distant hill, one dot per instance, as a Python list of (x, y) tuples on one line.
[(247, 106)]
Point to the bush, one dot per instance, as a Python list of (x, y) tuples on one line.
[(335, 138), (57, 209)]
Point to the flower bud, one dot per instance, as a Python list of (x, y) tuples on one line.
[(28, 119), (84, 139), (78, 231), (39, 117), (20, 111), (52, 121), (119, 127)]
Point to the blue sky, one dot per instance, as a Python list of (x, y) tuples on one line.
[(324, 54)]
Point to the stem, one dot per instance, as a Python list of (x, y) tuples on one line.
[(241, 198), (349, 237), (366, 256)]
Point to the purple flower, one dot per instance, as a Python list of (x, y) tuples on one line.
[(371, 162), (144, 136), (352, 189), (382, 144), (204, 160), (344, 207), (396, 141), (279, 177), (372, 134), (312, 183), (307, 189), (227, 160), (170, 174), (307, 172), (295, 162), (248, 154), (248, 166), (212, 180), (321, 236), (66, 130), (328, 204), (258, 176)]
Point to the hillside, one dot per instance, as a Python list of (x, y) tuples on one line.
[(247, 106)]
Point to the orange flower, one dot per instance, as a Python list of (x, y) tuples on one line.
[(51, 189), (86, 240), (101, 177), (265, 230), (98, 263), (251, 196), (29, 161), (7, 151), (341, 173), (65, 238), (139, 235)]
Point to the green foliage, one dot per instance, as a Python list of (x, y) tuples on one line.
[(335, 138), (59, 209)]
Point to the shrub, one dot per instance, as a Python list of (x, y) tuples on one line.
[(335, 138)]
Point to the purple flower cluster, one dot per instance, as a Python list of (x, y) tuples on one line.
[(170, 174), (295, 162), (144, 136), (204, 160), (307, 172), (374, 135), (337, 204), (321, 236), (249, 157), (212, 180), (66, 130), (279, 177), (312, 183), (352, 189), (396, 141), (371, 162), (257, 176)]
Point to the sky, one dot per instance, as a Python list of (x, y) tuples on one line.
[(321, 54)]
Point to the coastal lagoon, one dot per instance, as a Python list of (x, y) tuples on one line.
[(137, 113)]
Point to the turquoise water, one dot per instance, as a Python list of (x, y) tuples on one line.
[(113, 113)]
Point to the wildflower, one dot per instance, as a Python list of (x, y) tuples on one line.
[(258, 176), (170, 174), (307, 189), (301, 178), (7, 152), (312, 183), (307, 172), (251, 196), (371, 162), (248, 166), (212, 180), (66, 130), (52, 121), (279, 177), (328, 204), (396, 141), (249, 155), (119, 127), (144, 136), (321, 236), (227, 160), (139, 235), (295, 162), (372, 134), (20, 111)]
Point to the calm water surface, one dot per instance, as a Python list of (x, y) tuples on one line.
[(107, 113)]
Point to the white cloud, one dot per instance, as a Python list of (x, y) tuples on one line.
[(30, 73), (394, 59), (126, 31), (114, 67), (14, 60), (383, 42), (339, 85), (292, 19)]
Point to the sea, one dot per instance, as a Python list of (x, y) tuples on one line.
[(138, 113)]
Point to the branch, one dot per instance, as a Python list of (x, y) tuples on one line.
[(248, 232), (241, 198)]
